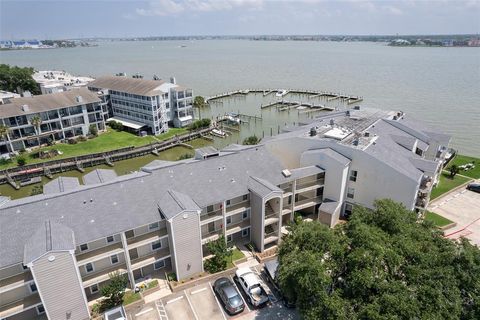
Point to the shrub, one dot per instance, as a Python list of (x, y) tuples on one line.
[(185, 156), (114, 291), (4, 161), (21, 151), (172, 276), (82, 138), (251, 140), (199, 124), (21, 161), (72, 141), (36, 190), (93, 130), (115, 125)]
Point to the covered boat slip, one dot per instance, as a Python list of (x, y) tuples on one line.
[(131, 124)]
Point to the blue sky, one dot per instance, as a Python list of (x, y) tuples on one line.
[(72, 19)]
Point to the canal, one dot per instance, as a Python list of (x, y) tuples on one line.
[(266, 122)]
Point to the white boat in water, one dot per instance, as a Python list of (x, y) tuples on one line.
[(219, 133), (281, 93), (232, 117)]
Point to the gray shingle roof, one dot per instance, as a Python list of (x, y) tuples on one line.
[(298, 173), (261, 187), (61, 184), (141, 87), (332, 154), (48, 237), (99, 176), (329, 206), (46, 102), (96, 211), (173, 203)]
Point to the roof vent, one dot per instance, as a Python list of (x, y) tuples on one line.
[(348, 113), (332, 122), (366, 134), (79, 99), (25, 108), (356, 108), (395, 117), (313, 132), (355, 142), (286, 173)]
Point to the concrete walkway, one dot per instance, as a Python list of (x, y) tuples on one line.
[(462, 207)]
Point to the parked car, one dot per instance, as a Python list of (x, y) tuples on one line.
[(270, 270), (475, 187), (117, 313), (229, 295), (250, 284)]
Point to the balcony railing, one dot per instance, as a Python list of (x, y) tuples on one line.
[(19, 305), (102, 275), (305, 203), (211, 236), (310, 185), (100, 253), (238, 207), (146, 238), (150, 258)]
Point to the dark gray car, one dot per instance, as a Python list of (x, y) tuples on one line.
[(229, 295)]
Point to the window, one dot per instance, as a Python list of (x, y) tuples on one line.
[(110, 239), (154, 226), (245, 197), (114, 259), (94, 289), (40, 309), (210, 208), (156, 245), (228, 203), (229, 238), (350, 193), (24, 267), (83, 247), (159, 264), (419, 151), (129, 234), (89, 267), (245, 232), (33, 287), (245, 215), (229, 220), (348, 209), (353, 175)]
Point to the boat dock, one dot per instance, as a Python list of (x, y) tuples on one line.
[(311, 94)]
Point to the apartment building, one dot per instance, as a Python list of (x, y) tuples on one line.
[(62, 116), (66, 242), (146, 104)]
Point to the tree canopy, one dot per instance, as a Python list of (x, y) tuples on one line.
[(12, 78), (382, 264), (251, 140)]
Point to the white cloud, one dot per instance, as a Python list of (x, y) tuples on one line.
[(174, 7)]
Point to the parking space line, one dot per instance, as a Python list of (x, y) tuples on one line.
[(197, 291), (241, 295), (191, 306), (143, 312), (218, 302), (176, 299)]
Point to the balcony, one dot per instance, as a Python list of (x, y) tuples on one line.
[(102, 275), (146, 238), (271, 218), (237, 227), (14, 282), (20, 305), (238, 207), (286, 211), (211, 236), (306, 203), (150, 258), (270, 237), (309, 186), (212, 216), (100, 253)]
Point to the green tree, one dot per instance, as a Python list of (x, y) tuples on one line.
[(21, 161), (4, 130), (14, 78), (218, 248), (114, 290), (453, 171), (93, 130), (36, 122), (382, 264), (199, 102), (252, 140)]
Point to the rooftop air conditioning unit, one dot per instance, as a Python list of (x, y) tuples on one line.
[(356, 108), (332, 122), (366, 134), (25, 108), (286, 173), (79, 99)]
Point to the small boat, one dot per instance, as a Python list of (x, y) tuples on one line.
[(301, 108), (219, 133), (281, 93), (244, 91), (233, 117)]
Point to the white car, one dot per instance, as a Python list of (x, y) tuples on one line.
[(250, 284)]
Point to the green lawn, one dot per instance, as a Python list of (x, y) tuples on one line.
[(107, 141), (461, 160), (446, 184), (237, 255), (131, 297), (438, 220)]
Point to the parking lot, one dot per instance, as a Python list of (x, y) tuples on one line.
[(200, 303), (462, 207)]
